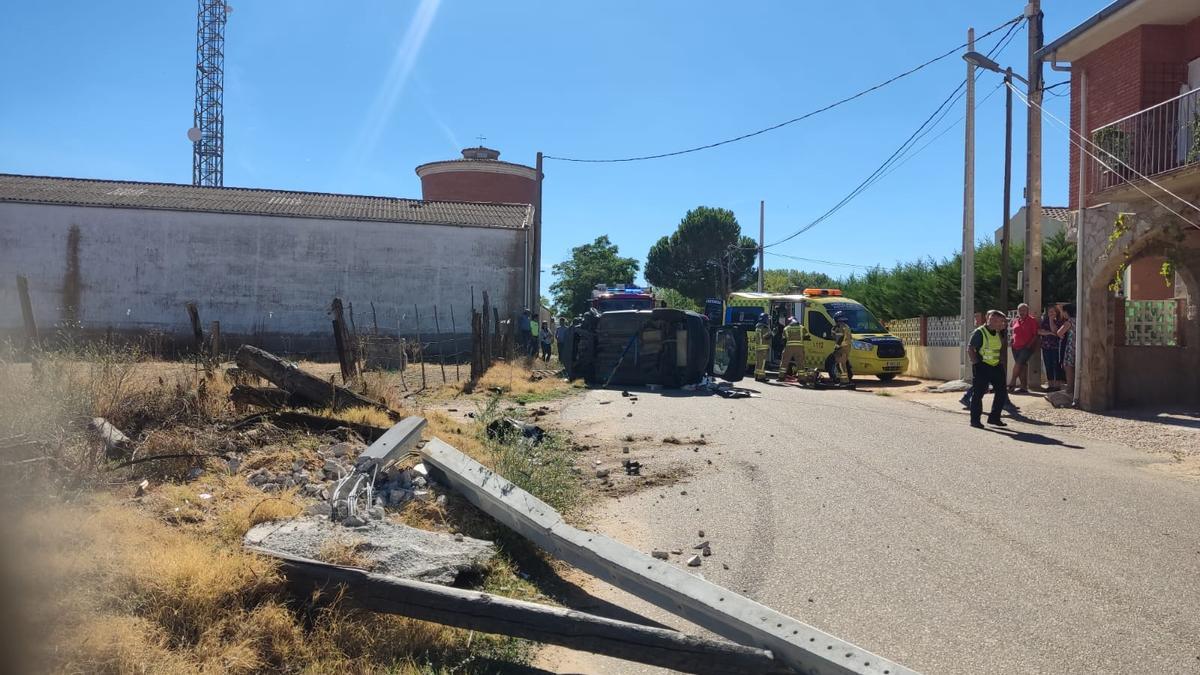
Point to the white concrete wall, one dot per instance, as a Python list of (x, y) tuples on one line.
[(940, 363), (255, 274)]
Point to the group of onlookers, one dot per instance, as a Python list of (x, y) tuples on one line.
[(1053, 335), (534, 338)]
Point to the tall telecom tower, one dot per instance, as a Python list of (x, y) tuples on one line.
[(208, 133)]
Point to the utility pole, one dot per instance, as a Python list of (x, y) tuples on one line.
[(1033, 177), (535, 265), (1004, 231), (762, 219), (967, 280)]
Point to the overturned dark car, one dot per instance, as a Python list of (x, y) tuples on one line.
[(668, 347)]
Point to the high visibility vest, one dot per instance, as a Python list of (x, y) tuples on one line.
[(989, 346), (533, 328)]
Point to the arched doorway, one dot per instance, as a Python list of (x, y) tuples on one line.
[(1139, 351)]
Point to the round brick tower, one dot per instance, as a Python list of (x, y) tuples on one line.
[(479, 176)]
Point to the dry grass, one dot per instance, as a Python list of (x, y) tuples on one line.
[(519, 382), (111, 590), (160, 583)]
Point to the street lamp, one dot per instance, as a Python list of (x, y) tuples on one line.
[(977, 59)]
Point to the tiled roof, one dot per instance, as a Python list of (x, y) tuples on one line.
[(1059, 213), (250, 201)]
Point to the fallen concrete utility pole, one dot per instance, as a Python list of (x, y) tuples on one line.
[(794, 644), (393, 444), (474, 610), (289, 377)]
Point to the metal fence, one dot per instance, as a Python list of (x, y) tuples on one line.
[(1153, 141)]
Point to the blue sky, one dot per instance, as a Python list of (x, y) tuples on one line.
[(351, 96)]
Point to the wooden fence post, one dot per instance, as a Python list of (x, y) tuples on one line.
[(339, 340), (197, 332), (420, 344), (497, 337), (486, 334), (924, 342), (437, 326), (31, 333), (454, 333)]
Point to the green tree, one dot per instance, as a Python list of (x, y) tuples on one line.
[(675, 299), (792, 281), (589, 264), (706, 256)]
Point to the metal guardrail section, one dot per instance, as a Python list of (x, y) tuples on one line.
[(794, 644), (1162, 138)]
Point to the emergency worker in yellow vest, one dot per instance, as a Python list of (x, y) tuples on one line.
[(791, 362), (841, 354), (984, 350), (762, 346)]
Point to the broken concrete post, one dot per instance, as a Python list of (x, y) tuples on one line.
[(553, 625), (116, 444)]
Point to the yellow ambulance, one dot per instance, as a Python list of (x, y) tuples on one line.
[(874, 350)]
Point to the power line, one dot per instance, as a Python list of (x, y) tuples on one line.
[(893, 158), (1106, 165), (822, 262), (805, 116)]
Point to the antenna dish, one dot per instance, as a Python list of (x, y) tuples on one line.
[(194, 134)]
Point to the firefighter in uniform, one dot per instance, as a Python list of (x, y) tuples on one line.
[(762, 346), (841, 355), (791, 362)]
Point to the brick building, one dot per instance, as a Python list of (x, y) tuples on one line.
[(1134, 185)]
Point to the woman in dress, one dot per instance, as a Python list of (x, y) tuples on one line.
[(1051, 346), (1066, 332)]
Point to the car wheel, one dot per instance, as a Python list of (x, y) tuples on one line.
[(887, 377)]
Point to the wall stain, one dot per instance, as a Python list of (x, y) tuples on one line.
[(72, 291)]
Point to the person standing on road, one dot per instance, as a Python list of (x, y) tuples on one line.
[(560, 337), (547, 341), (1024, 330), (524, 332), (984, 351), (533, 338), (841, 355), (1051, 344), (1066, 332)]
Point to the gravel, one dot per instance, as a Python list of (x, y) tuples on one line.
[(1176, 432)]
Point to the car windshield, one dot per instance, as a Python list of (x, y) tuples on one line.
[(618, 304), (861, 319)]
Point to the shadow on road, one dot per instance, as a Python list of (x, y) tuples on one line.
[(1031, 437)]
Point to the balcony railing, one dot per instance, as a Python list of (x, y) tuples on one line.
[(1151, 142)]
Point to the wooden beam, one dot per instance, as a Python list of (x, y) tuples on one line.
[(488, 613), (794, 643), (264, 397), (287, 375)]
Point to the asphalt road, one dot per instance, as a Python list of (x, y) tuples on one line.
[(899, 528)]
